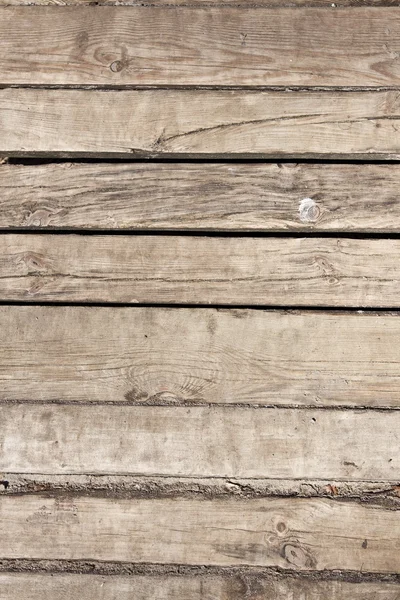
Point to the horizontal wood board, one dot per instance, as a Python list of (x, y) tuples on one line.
[(217, 46), (169, 355), (290, 533), (201, 587), (205, 197), (200, 270), (199, 124), (200, 442), (209, 3)]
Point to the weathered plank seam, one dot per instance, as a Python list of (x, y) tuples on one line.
[(382, 494), (206, 87), (125, 568), (164, 402)]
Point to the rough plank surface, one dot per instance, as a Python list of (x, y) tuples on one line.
[(155, 356), (200, 442), (386, 493), (202, 123), (200, 270), (209, 3), (217, 46), (207, 197), (291, 533), (201, 587)]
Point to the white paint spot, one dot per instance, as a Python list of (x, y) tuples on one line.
[(308, 210)]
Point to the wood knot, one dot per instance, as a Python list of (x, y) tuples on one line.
[(309, 211), (35, 263), (38, 218), (298, 556), (117, 66), (281, 527)]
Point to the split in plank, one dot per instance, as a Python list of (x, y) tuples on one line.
[(200, 442), (200, 270), (199, 123), (106, 45), (208, 356), (204, 197), (200, 586), (291, 533)]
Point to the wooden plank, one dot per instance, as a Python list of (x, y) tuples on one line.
[(34, 586), (206, 197), (200, 270), (200, 442), (155, 356), (217, 46), (199, 123), (292, 533), (208, 3)]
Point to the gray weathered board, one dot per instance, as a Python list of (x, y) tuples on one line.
[(262, 271), (199, 123), (199, 356), (201, 442), (288, 533), (205, 46), (235, 197), (194, 587)]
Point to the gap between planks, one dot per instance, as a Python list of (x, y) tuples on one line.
[(385, 494)]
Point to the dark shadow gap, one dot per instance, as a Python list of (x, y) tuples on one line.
[(371, 310), (28, 161), (43, 231)]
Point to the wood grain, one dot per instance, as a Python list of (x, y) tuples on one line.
[(163, 587), (291, 533), (200, 442), (202, 123), (195, 46), (205, 197), (200, 270), (156, 356), (208, 3)]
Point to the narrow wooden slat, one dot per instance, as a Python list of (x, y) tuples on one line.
[(208, 3), (200, 270), (216, 46), (152, 355), (163, 587), (200, 441), (202, 123), (212, 196), (291, 533)]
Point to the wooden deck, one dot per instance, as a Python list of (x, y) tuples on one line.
[(199, 300)]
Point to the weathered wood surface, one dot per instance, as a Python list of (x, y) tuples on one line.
[(200, 441), (199, 123), (156, 355), (194, 587), (291, 533), (200, 270), (207, 197), (209, 3), (212, 46)]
